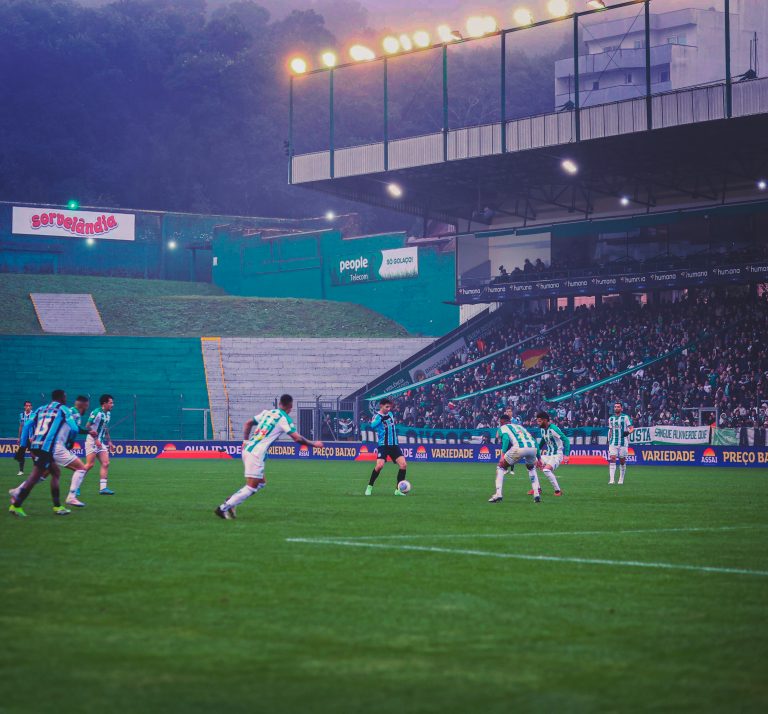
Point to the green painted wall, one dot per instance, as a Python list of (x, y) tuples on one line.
[(307, 266)]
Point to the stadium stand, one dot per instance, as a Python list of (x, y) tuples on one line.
[(258, 370), (67, 313), (725, 374), (151, 380)]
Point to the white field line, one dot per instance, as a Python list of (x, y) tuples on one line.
[(703, 529), (524, 556)]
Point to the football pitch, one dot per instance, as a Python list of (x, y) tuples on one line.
[(317, 599)]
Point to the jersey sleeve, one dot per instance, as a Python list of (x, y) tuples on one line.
[(94, 419), (566, 441), (287, 425), (506, 442), (72, 423), (376, 420), (629, 420), (28, 429)]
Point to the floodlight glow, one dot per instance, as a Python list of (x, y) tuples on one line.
[(523, 16), (569, 166), (90, 241), (596, 4), (172, 244), (405, 43), (391, 45), (475, 26), (624, 201), (490, 24), (298, 65), (361, 53), (330, 216), (558, 8), (73, 204), (394, 190), (445, 34), (762, 184), (421, 38), (329, 59)]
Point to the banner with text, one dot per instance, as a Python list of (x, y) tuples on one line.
[(756, 457), (73, 224), (670, 435), (603, 284), (391, 264)]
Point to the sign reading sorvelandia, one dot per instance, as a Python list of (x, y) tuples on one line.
[(391, 264), (73, 224)]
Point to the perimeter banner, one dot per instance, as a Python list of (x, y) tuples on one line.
[(756, 457), (73, 224)]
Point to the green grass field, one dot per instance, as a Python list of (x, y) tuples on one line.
[(169, 308), (438, 602)]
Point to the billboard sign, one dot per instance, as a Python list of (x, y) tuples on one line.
[(73, 224)]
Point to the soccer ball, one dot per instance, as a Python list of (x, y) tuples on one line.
[(404, 486)]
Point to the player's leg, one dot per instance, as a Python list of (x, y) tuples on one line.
[(79, 471), (549, 466), (612, 454), (103, 457), (55, 473), (380, 461), (402, 466), (254, 482), (507, 459), (41, 461), (20, 459), (622, 464), (530, 464)]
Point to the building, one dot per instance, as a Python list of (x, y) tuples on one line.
[(687, 48)]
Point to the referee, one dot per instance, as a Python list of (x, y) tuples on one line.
[(384, 424)]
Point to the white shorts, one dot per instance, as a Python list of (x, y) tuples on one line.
[(621, 451), (62, 455), (254, 463), (91, 448), (527, 455), (552, 461)]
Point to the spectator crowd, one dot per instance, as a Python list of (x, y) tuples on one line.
[(724, 373)]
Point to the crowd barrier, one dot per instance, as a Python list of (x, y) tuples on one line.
[(429, 453)]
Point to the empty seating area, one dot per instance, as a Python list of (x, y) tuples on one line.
[(258, 370), (68, 313), (154, 381)]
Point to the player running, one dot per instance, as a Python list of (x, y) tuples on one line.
[(98, 447), (42, 432), (24, 416), (384, 424), (619, 429), (558, 449), (63, 455), (517, 444), (267, 426)]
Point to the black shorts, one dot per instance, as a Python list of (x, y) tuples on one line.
[(393, 452), (42, 459)]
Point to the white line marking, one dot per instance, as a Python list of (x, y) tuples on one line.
[(558, 533), (522, 556)]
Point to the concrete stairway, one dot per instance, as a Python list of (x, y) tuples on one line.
[(68, 313)]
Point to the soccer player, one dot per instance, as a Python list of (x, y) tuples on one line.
[(384, 424), (24, 415), (558, 449), (42, 433), (267, 426), (63, 456), (619, 429), (517, 445), (98, 447)]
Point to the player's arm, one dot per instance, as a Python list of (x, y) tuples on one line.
[(247, 429), (376, 420), (27, 429), (109, 436), (92, 425), (566, 445), (629, 428), (303, 440)]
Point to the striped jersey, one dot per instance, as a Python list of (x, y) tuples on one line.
[(49, 424), (268, 426), (554, 441), (384, 424), (515, 436), (616, 426), (99, 420), (24, 417), (77, 417)]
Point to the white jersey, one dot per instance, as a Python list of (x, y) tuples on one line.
[(519, 437), (269, 425)]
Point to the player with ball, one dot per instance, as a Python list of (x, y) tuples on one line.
[(388, 448)]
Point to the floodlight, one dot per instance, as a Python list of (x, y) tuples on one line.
[(361, 53), (421, 38), (476, 26), (394, 190), (523, 16), (405, 43), (558, 8), (329, 59), (298, 65), (391, 45), (570, 166)]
